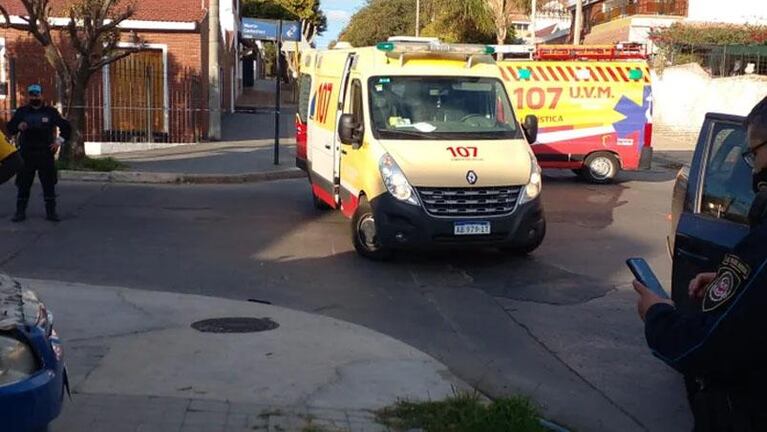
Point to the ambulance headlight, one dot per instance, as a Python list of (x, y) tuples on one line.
[(395, 180), (534, 185)]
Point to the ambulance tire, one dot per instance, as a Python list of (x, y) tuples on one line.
[(319, 204), (600, 168), (528, 248), (363, 234)]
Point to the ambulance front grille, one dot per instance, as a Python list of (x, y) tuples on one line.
[(469, 202)]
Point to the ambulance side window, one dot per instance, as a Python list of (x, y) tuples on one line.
[(304, 95), (355, 99)]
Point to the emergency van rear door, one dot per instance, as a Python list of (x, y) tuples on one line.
[(326, 159)]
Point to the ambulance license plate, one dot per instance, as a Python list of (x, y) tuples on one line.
[(471, 228)]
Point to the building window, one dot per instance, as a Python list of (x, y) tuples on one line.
[(3, 70)]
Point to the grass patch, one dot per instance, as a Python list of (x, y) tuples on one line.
[(463, 413), (92, 164)]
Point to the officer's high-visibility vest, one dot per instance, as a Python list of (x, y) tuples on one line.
[(6, 148)]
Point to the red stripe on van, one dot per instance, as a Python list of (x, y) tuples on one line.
[(553, 74), (542, 74), (563, 74), (602, 74)]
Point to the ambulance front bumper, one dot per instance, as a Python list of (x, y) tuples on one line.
[(405, 226)]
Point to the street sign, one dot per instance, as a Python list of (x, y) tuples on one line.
[(264, 29), (291, 31), (278, 31), (260, 29)]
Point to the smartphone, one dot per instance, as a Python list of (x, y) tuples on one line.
[(644, 274)]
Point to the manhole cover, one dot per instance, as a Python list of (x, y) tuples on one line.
[(234, 325)]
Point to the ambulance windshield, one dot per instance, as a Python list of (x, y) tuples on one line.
[(444, 108)]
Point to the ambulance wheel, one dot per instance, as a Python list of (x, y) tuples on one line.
[(529, 247), (318, 203), (600, 168), (364, 235)]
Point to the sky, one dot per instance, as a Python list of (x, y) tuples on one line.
[(338, 13)]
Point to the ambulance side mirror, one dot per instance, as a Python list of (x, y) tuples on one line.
[(350, 131), (531, 128)]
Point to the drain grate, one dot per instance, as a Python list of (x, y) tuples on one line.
[(234, 325)]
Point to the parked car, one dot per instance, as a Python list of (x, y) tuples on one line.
[(710, 203), (32, 373)]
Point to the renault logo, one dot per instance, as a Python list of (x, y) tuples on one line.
[(471, 177)]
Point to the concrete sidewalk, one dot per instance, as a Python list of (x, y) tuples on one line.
[(136, 365), (219, 162)]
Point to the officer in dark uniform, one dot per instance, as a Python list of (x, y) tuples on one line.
[(722, 350), (36, 125)]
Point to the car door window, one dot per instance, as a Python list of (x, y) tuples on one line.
[(727, 190), (354, 105)]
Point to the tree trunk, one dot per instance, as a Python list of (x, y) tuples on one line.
[(74, 149)]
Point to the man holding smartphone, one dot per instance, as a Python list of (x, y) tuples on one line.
[(722, 350)]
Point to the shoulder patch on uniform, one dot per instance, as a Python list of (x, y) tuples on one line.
[(730, 277)]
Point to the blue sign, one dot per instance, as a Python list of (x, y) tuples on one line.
[(291, 31), (259, 29), (264, 29)]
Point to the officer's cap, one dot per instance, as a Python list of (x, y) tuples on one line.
[(35, 88)]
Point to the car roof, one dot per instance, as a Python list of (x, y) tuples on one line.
[(725, 117)]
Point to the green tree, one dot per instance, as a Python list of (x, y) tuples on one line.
[(500, 12), (378, 20), (468, 21)]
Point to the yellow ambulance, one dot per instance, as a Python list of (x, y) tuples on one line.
[(10, 160), (418, 144), (594, 105)]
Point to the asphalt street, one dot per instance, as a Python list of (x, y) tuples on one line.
[(559, 325)]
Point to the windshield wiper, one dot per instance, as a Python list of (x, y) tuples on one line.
[(417, 134)]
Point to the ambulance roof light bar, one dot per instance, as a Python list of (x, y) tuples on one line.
[(434, 47), (621, 51), (402, 49)]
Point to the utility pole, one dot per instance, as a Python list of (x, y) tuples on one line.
[(214, 79), (533, 17), (417, 18), (578, 30)]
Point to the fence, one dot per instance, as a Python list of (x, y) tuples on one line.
[(137, 100), (614, 9), (721, 60)]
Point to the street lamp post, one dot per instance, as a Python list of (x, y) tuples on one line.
[(417, 18), (578, 22)]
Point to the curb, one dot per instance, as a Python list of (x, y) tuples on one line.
[(137, 177)]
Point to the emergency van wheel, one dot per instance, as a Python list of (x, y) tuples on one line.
[(529, 247), (600, 168), (318, 203), (364, 233)]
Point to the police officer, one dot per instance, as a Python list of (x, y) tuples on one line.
[(36, 125), (722, 350), (10, 160)]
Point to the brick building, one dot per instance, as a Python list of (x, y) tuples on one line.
[(612, 21), (156, 95)]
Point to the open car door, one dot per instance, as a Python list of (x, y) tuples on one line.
[(716, 205)]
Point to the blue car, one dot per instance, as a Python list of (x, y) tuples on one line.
[(32, 373)]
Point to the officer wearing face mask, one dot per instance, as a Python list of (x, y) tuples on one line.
[(723, 348), (36, 124)]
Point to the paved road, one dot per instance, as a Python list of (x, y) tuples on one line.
[(559, 326)]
